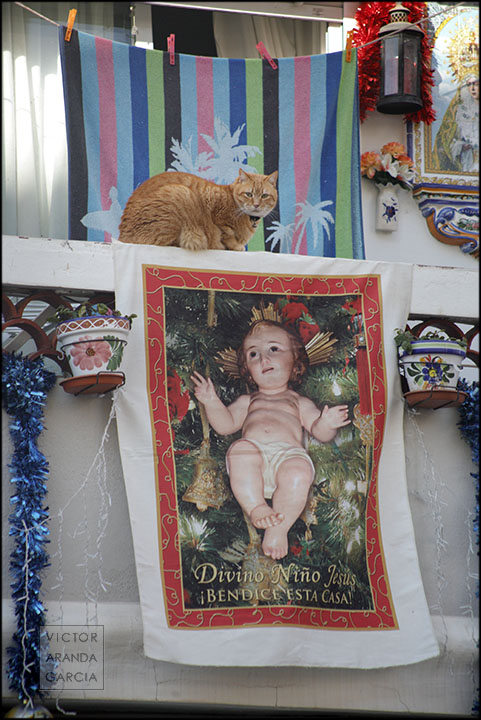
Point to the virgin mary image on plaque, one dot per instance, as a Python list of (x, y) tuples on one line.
[(456, 130), (272, 436)]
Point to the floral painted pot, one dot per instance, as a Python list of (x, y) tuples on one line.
[(93, 344), (432, 364)]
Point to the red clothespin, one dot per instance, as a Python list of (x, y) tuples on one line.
[(349, 45), (264, 54), (71, 19), (171, 48)]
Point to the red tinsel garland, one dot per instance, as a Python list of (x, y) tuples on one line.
[(370, 17)]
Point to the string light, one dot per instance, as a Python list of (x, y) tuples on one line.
[(433, 491)]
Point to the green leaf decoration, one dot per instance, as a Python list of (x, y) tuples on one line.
[(117, 352), (308, 319)]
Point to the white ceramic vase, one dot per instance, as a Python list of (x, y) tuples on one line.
[(387, 207)]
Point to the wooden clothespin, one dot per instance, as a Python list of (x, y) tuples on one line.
[(349, 45), (71, 19), (264, 54), (171, 48)]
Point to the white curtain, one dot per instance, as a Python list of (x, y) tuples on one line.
[(34, 145), (236, 36)]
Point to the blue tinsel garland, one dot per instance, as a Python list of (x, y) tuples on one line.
[(25, 384)]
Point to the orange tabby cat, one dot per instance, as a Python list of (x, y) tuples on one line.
[(176, 208)]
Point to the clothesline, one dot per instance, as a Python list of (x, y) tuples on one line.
[(25, 7), (418, 22), (358, 47)]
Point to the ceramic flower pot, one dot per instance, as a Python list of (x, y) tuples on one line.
[(93, 344), (387, 207), (432, 364)]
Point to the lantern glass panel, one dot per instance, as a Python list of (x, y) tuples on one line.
[(411, 50), (391, 65)]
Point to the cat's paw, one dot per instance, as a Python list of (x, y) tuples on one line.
[(237, 247)]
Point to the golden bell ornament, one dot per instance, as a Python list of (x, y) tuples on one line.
[(208, 488)]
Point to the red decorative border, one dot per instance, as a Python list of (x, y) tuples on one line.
[(369, 288)]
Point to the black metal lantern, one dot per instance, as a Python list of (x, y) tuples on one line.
[(401, 64)]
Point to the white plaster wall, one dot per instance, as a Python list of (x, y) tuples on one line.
[(86, 554), (412, 242)]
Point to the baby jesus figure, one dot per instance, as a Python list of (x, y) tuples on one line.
[(269, 461)]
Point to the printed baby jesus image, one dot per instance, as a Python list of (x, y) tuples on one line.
[(269, 462)]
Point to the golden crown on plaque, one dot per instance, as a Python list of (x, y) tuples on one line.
[(463, 53)]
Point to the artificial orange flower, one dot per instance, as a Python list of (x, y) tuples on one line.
[(393, 148), (370, 163), (406, 160), (391, 165)]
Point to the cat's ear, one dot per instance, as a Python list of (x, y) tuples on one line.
[(272, 178), (242, 175)]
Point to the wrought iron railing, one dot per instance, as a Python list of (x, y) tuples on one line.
[(19, 325), (23, 326)]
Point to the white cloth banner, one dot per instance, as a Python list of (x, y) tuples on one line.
[(321, 570)]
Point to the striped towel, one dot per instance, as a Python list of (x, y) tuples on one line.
[(132, 114)]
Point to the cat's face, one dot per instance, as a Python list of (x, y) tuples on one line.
[(255, 195)]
